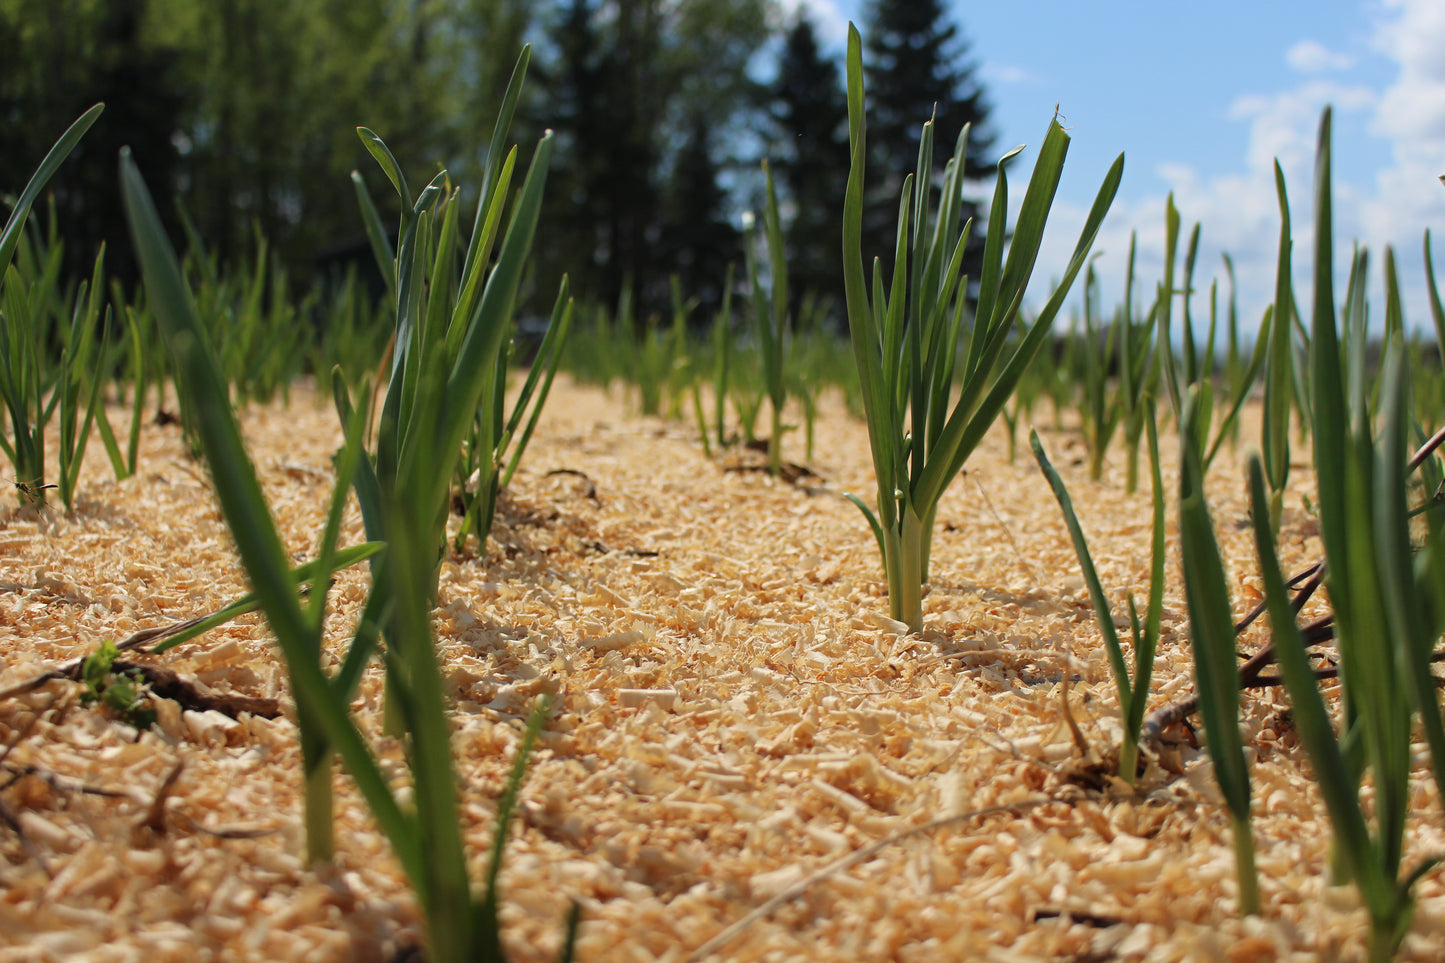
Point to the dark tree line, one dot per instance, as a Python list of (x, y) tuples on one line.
[(650, 99), (245, 110)]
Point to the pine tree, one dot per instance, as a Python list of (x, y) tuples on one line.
[(699, 240), (811, 115), (600, 95), (917, 67), (74, 56), (625, 86)]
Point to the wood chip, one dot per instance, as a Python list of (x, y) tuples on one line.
[(735, 718)]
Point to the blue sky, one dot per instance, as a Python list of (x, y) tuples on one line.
[(1202, 98)]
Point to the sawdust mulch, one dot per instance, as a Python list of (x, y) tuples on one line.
[(738, 728)]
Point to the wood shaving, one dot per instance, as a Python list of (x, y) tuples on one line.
[(741, 735)]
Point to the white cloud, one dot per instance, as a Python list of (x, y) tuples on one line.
[(994, 73), (1412, 110), (1312, 57), (1412, 38), (1406, 197), (1238, 209), (1284, 125)]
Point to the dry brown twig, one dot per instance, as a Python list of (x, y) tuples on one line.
[(154, 820), (160, 681), (196, 696), (1008, 532), (13, 821), (69, 670), (9, 817), (1307, 582), (852, 859)]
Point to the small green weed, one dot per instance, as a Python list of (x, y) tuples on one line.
[(125, 694)]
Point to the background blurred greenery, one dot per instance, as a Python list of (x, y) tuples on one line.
[(244, 112)]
